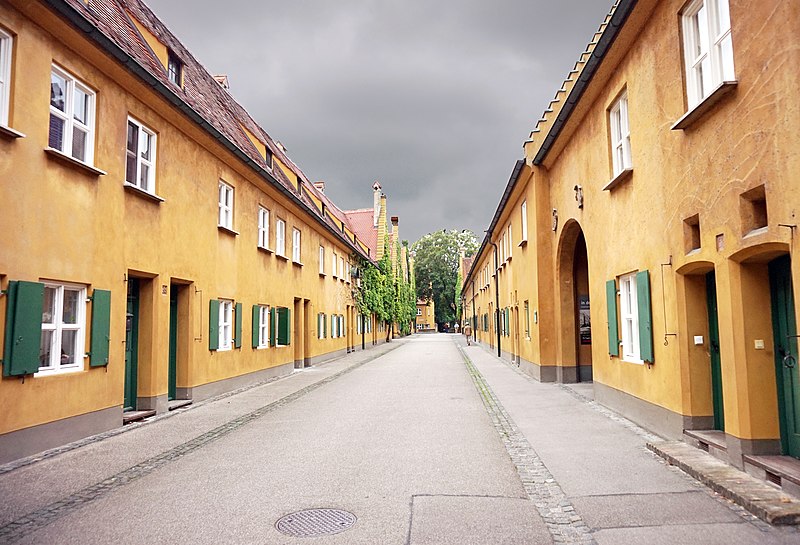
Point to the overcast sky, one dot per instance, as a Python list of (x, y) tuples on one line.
[(433, 99)]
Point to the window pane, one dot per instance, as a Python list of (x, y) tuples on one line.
[(45, 348), (144, 179), (145, 141), (70, 313), (702, 29), (81, 111), (133, 137), (69, 339), (56, 138), (723, 16), (726, 52), (58, 92), (49, 306), (78, 144), (130, 168)]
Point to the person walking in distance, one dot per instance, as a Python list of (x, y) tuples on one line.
[(468, 332)]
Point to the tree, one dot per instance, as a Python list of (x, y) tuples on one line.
[(436, 269)]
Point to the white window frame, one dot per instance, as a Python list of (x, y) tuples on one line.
[(620, 135), (57, 327), (263, 326), (148, 185), (341, 267), (524, 215), (347, 271), (280, 237), (320, 325), (263, 228), (707, 48), (67, 116), (321, 259), (225, 325), (296, 241), (629, 318), (6, 45), (341, 326), (225, 202), (510, 242), (334, 261), (334, 327)]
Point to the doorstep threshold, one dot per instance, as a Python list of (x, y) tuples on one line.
[(178, 404), (129, 417), (768, 503)]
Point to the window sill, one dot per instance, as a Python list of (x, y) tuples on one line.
[(522, 243), (263, 249), (322, 275), (297, 263), (755, 232), (625, 175), (699, 110), (9, 132), (135, 190), (227, 230), (66, 159), (281, 256)]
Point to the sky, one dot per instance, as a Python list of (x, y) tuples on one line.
[(432, 99)]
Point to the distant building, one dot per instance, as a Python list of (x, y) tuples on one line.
[(426, 316)]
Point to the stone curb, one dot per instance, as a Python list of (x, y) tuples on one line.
[(767, 503)]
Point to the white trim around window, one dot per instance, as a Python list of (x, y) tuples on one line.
[(263, 326), (629, 317), (225, 325), (6, 44), (225, 219), (140, 156), (296, 237), (72, 116), (63, 329), (263, 228), (333, 264), (280, 238), (620, 135), (322, 260), (707, 48), (524, 215)]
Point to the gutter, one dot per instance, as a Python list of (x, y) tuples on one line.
[(624, 9), (77, 20)]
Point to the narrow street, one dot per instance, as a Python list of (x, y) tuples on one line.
[(423, 440)]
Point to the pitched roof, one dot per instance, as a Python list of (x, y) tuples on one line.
[(110, 23), (362, 222)]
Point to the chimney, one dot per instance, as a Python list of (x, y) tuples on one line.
[(395, 221), (320, 185), (376, 203), (223, 81)]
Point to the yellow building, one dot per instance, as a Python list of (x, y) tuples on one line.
[(426, 316), (160, 247), (647, 239)]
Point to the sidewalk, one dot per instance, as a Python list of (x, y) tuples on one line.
[(600, 464)]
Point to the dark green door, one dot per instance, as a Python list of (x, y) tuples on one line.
[(173, 340), (713, 346), (784, 329), (131, 344)]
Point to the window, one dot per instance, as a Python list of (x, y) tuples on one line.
[(296, 245), (334, 327), (527, 320), (629, 314), (5, 76), (321, 260), (347, 271), (263, 326), (225, 325), (341, 268), (284, 328), (263, 227), (140, 161), (707, 48), (280, 238), (510, 241), (321, 325), (333, 264), (524, 215), (620, 135), (419, 311), (225, 205), (174, 69), (341, 325), (63, 328), (71, 116)]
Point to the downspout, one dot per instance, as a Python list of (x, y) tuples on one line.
[(496, 295), (474, 316)]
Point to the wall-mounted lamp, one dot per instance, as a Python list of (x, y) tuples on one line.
[(555, 220), (579, 195)]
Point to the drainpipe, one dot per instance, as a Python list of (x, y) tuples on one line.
[(496, 294), (474, 316)]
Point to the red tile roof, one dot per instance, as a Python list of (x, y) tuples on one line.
[(362, 222)]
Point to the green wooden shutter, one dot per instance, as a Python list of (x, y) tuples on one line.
[(324, 326), (272, 325), (613, 328), (256, 325), (284, 328), (237, 332), (645, 316), (101, 328), (23, 338), (213, 324)]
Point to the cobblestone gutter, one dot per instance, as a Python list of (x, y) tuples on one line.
[(564, 524)]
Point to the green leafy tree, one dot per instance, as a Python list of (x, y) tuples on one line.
[(436, 269)]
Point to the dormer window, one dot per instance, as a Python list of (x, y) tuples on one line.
[(174, 69)]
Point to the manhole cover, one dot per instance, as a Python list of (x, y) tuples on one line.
[(315, 522)]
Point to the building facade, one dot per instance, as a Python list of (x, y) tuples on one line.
[(161, 247), (426, 316), (646, 241)]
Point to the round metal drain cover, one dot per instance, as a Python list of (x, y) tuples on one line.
[(315, 522)]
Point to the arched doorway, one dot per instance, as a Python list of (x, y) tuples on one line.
[(575, 363)]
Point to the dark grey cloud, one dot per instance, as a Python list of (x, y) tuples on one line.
[(434, 99)]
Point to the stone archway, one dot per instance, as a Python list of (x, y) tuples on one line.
[(575, 333)]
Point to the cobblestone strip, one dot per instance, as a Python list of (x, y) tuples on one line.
[(564, 524), (35, 520)]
